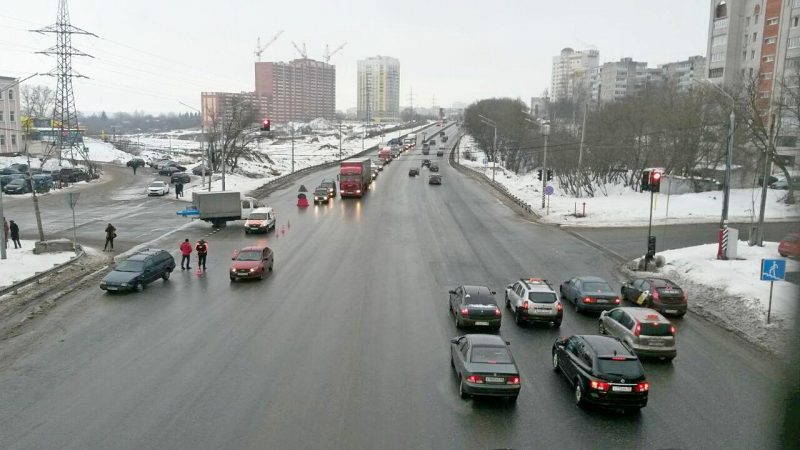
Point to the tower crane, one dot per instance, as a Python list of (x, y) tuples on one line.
[(328, 53), (260, 48), (303, 51)]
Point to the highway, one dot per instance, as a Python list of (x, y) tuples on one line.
[(345, 345)]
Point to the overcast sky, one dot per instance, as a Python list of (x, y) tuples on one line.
[(153, 54)]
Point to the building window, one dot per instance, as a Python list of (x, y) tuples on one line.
[(769, 40), (13, 139), (750, 73), (2, 116), (794, 42), (11, 94), (718, 41), (769, 58), (795, 21), (11, 116), (717, 56), (755, 17), (744, 55), (716, 73), (747, 21), (721, 10), (765, 94), (767, 76), (772, 21), (757, 9), (752, 54), (2, 139), (796, 4), (755, 36)]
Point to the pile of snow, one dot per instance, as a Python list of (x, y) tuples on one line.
[(320, 124), (731, 292), (22, 263), (625, 207), (105, 152)]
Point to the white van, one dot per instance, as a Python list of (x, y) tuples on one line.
[(260, 220)]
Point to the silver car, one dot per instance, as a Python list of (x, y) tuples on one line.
[(646, 331), (534, 300)]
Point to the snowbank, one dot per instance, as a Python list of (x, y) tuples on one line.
[(22, 263)]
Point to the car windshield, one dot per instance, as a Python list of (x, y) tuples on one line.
[(542, 297), (596, 286), (130, 266), (259, 216), (629, 368), (249, 255), (490, 355), (321, 191), (17, 181)]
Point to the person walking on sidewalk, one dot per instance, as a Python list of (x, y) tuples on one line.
[(111, 233), (202, 253), (186, 252), (14, 229)]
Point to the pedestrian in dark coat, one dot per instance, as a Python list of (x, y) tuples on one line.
[(14, 229), (177, 190), (111, 233), (202, 252)]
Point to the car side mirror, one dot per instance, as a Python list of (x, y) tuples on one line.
[(493, 292)]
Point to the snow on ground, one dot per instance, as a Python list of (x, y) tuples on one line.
[(105, 152), (624, 207), (22, 263), (732, 293)]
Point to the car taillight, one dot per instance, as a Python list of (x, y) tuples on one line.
[(599, 385), (617, 300), (672, 329), (475, 379), (644, 386), (559, 306), (637, 330), (497, 312), (464, 311), (512, 380), (525, 304), (588, 300)]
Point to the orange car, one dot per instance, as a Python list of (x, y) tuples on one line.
[(790, 246)]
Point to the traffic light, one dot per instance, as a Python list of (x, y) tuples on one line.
[(646, 180), (655, 181), (549, 174), (539, 174), (265, 124), (651, 246)]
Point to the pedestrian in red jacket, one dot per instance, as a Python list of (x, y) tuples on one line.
[(186, 251)]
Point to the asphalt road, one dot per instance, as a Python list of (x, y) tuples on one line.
[(346, 345)]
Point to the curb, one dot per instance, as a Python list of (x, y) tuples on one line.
[(35, 278)]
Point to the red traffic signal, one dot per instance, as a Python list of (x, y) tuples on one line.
[(655, 181), (265, 124)]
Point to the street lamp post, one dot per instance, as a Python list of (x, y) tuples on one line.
[(492, 124), (545, 133)]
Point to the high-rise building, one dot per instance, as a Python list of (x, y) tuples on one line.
[(736, 39), (10, 142), (300, 90), (685, 73), (571, 74), (614, 80), (379, 89), (219, 107)]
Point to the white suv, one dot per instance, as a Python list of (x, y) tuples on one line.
[(534, 300)]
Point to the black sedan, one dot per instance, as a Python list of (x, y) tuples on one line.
[(199, 170), (433, 167), (135, 162), (484, 366), (18, 186), (412, 172), (602, 370), (435, 179), (589, 294), (657, 293), (168, 170), (474, 306)]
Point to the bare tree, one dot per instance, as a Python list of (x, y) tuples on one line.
[(37, 101), (231, 136)]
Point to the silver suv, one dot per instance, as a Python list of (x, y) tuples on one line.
[(534, 300), (646, 331)]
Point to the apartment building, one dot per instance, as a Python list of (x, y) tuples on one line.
[(379, 89), (571, 74), (218, 107), (10, 117), (300, 90)]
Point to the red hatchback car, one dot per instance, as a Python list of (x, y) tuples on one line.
[(790, 246), (251, 262)]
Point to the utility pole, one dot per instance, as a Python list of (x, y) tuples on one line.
[(492, 124), (764, 182), (36, 211), (340, 140), (545, 133)]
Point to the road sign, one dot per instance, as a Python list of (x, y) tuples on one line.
[(773, 269), (548, 190), (72, 199)]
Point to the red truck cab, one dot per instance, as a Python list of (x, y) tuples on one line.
[(355, 175)]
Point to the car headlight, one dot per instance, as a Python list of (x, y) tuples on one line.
[(252, 270), (233, 269)]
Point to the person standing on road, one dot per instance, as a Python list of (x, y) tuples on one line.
[(180, 188), (202, 252), (186, 252), (14, 229), (177, 190), (111, 233)]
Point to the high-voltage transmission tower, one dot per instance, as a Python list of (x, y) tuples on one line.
[(66, 135)]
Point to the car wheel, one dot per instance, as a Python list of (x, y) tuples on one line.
[(555, 361), (139, 287), (165, 275), (577, 307), (513, 399), (233, 280), (680, 315), (461, 390), (579, 400), (517, 318), (601, 328)]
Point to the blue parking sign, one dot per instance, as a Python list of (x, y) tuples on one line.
[(773, 269)]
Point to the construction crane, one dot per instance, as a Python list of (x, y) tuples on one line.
[(260, 48), (328, 54), (303, 51)]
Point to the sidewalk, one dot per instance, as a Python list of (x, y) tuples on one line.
[(22, 263)]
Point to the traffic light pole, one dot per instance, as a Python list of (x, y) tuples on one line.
[(647, 256)]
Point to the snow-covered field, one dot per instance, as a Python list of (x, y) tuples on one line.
[(732, 293), (624, 207), (22, 263)]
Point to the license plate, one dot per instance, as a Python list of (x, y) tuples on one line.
[(621, 388), (495, 379), (657, 343), (482, 323), (671, 311)]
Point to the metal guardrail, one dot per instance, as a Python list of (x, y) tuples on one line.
[(37, 277), (498, 186)]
